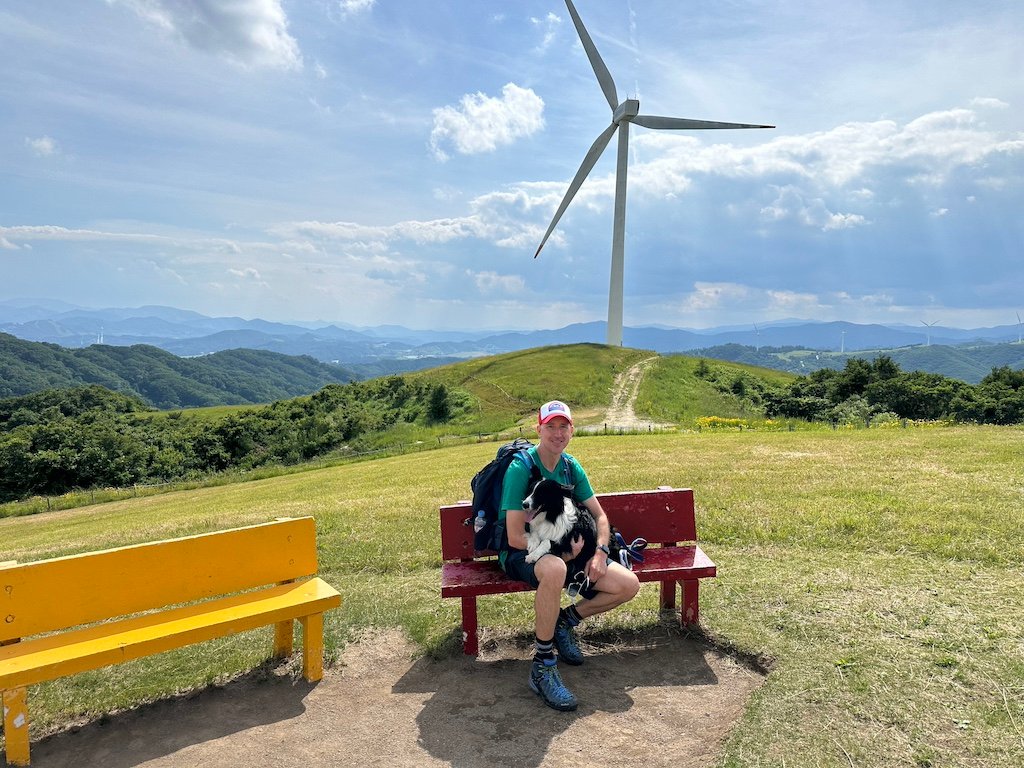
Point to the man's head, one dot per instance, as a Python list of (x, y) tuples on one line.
[(554, 425)]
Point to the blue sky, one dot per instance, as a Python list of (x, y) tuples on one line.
[(397, 161)]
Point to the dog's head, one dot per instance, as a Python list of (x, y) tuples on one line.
[(547, 497)]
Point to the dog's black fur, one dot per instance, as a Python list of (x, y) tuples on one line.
[(557, 521)]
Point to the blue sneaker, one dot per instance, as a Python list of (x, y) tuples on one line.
[(565, 641), (547, 683)]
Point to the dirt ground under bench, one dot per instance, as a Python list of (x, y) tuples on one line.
[(655, 698)]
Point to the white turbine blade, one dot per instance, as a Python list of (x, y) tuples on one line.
[(685, 124), (577, 181), (604, 77)]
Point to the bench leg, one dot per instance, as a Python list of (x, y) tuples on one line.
[(283, 639), (668, 595), (691, 613), (469, 639), (313, 647), (15, 703)]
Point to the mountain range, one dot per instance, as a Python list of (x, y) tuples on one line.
[(162, 379), (380, 349)]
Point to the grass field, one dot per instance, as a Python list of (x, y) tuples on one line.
[(881, 572)]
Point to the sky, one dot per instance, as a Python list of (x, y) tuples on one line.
[(397, 162)]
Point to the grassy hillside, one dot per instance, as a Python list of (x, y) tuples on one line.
[(163, 380), (880, 571), (508, 388), (680, 389)]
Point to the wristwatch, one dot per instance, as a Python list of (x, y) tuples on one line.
[(604, 548)]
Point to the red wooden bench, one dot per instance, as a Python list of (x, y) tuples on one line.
[(664, 517)]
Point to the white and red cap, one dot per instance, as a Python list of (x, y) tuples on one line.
[(551, 410)]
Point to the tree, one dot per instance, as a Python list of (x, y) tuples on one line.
[(438, 409)]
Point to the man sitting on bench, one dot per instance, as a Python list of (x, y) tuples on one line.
[(610, 584)]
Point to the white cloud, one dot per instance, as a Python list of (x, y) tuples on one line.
[(7, 245), (707, 296), (252, 33), (492, 282), (435, 231), (989, 103), (249, 273), (550, 25), (50, 232), (350, 7), (44, 146), (483, 123), (791, 205)]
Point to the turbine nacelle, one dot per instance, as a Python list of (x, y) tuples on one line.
[(627, 110)]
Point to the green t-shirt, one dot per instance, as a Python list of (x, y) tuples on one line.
[(517, 480)]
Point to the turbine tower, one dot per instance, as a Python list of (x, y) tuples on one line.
[(623, 113), (1018, 327), (929, 331)]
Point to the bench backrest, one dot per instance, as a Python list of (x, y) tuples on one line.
[(65, 592), (663, 516)]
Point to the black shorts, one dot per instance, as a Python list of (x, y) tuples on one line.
[(516, 567)]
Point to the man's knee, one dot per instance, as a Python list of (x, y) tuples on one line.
[(550, 568), (624, 583)]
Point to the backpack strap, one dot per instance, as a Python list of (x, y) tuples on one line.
[(528, 460)]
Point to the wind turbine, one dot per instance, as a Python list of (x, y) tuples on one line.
[(1018, 327), (623, 113), (929, 332)]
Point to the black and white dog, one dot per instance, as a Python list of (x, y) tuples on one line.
[(557, 521)]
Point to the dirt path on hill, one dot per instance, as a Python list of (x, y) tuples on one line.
[(655, 698), (620, 413)]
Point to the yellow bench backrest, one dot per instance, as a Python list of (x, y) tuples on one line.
[(49, 595)]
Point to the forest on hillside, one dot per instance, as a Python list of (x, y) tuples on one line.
[(160, 379), (85, 437)]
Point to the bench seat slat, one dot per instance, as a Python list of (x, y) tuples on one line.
[(53, 656), (484, 577)]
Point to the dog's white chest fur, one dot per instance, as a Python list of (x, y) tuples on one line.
[(544, 530)]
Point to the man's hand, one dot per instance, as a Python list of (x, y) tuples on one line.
[(598, 566)]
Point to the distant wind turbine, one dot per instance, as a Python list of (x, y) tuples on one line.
[(623, 114), (929, 331), (842, 342), (757, 338), (1018, 327)]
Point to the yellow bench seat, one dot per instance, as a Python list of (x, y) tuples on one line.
[(52, 656)]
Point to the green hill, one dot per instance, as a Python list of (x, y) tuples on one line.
[(966, 362), (233, 377), (676, 389), (67, 438)]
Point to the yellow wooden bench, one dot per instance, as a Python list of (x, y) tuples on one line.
[(71, 614)]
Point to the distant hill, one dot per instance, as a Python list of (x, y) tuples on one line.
[(231, 377), (189, 333), (970, 363)]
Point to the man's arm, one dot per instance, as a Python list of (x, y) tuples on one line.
[(598, 565), (515, 528)]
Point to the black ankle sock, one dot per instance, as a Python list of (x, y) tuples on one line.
[(572, 616), (545, 649)]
